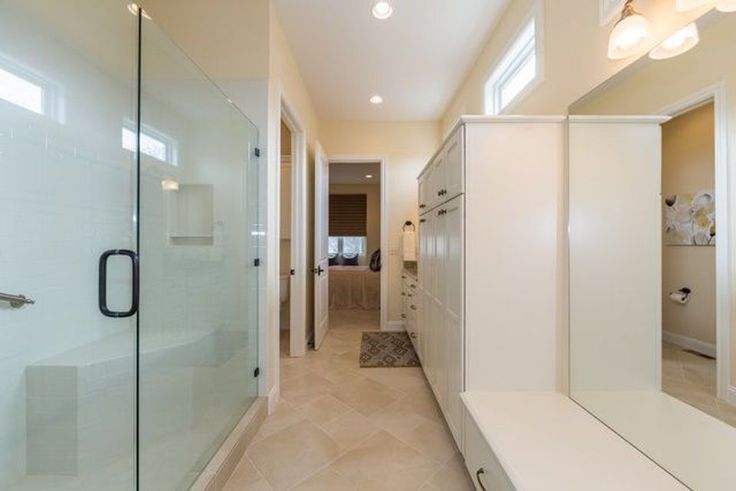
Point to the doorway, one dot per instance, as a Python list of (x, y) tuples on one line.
[(355, 237), (691, 329)]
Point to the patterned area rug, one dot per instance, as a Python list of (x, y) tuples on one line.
[(387, 349)]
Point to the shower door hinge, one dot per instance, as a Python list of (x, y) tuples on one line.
[(257, 371), (256, 262), (258, 152)]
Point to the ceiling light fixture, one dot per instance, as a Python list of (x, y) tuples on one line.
[(382, 10), (685, 5), (134, 8), (726, 6), (683, 40), (376, 99), (629, 33)]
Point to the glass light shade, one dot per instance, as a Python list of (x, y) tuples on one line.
[(683, 40), (627, 36), (726, 6), (685, 5), (382, 10)]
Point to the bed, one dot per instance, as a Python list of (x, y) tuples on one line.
[(354, 288)]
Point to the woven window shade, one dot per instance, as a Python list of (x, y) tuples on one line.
[(348, 215)]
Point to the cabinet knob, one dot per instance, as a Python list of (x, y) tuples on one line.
[(422, 220), (413, 335), (413, 307), (422, 206)]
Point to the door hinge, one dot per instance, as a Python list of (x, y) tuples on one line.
[(257, 152), (257, 371), (257, 262)]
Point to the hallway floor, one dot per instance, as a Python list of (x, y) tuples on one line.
[(340, 427), (692, 379)]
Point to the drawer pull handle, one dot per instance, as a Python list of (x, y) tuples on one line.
[(478, 473), (413, 307)]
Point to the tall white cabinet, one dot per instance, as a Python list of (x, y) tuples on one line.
[(490, 234)]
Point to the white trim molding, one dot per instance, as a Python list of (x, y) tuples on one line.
[(724, 278), (360, 159), (394, 326), (731, 395), (690, 343)]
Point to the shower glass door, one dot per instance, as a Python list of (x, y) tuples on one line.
[(199, 282), (67, 195), (129, 205)]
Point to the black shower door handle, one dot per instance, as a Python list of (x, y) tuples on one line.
[(102, 299)]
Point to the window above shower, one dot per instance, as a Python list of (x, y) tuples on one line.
[(153, 143)]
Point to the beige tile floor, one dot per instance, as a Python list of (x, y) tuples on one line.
[(692, 379), (341, 427)]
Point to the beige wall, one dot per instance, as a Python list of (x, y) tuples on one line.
[(688, 165), (406, 146), (215, 37), (373, 211), (575, 57)]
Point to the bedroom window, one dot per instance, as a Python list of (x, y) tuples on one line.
[(346, 250), (518, 69)]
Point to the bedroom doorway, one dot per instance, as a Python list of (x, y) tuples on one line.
[(356, 252)]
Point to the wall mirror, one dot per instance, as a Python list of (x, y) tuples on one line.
[(652, 207)]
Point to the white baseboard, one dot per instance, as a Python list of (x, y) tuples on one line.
[(731, 395), (273, 397), (690, 343), (397, 326)]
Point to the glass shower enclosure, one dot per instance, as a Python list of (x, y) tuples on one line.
[(129, 190)]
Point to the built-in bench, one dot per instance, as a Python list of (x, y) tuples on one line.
[(81, 407), (529, 441)]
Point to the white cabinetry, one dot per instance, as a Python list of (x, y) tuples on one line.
[(489, 254)]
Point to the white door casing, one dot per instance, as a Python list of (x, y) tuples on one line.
[(321, 239)]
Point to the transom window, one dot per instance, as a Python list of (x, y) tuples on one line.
[(517, 70), (21, 92), (153, 143)]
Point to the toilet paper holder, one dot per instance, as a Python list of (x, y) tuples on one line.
[(680, 296)]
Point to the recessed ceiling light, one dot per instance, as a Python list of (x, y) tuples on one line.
[(133, 8), (369, 176), (376, 99), (382, 10)]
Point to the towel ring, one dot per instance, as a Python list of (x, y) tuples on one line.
[(408, 223)]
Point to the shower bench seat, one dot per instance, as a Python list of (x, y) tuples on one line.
[(74, 397)]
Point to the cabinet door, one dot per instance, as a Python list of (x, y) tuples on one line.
[(427, 266), (454, 165), (452, 300), (439, 293), (423, 190), (420, 327), (437, 181)]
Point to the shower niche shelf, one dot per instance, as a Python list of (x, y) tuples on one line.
[(191, 215)]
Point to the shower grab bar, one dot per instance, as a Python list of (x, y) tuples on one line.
[(16, 301)]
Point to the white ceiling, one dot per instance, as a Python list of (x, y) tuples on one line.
[(416, 59), (354, 173)]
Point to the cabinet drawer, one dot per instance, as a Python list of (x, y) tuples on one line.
[(483, 466)]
